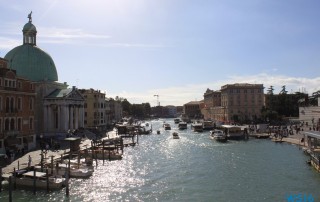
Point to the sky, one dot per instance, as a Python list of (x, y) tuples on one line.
[(175, 49)]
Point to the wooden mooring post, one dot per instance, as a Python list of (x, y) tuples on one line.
[(10, 189), (0, 179), (102, 152), (14, 179), (34, 182), (47, 177)]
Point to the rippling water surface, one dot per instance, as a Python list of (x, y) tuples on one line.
[(193, 168)]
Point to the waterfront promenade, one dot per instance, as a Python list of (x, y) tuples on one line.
[(35, 155)]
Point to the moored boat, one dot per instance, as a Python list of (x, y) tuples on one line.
[(208, 125), (40, 180), (197, 127), (182, 125), (176, 120), (218, 135)]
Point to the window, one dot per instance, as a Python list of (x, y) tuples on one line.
[(19, 124), (31, 123), (19, 104), (31, 104)]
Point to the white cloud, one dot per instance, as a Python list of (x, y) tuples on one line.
[(7, 44), (180, 95)]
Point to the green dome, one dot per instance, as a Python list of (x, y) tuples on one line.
[(29, 27), (32, 63)]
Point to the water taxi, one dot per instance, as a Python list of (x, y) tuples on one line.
[(182, 125), (176, 120), (208, 125), (166, 126), (218, 135), (197, 127), (234, 132)]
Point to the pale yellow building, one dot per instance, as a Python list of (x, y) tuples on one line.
[(239, 102), (94, 109)]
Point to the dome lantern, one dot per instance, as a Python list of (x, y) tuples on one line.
[(29, 32)]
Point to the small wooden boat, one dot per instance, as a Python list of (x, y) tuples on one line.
[(27, 179)]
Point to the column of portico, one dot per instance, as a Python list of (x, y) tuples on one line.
[(45, 116), (71, 116), (49, 118), (76, 114), (81, 116), (66, 117)]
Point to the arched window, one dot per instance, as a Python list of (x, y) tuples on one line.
[(19, 124), (6, 125), (12, 104), (7, 104), (12, 124)]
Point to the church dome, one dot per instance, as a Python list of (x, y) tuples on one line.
[(29, 60), (32, 63)]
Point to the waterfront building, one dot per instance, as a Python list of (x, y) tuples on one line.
[(94, 109), (212, 99), (114, 111), (58, 108), (234, 103), (17, 96), (241, 102), (192, 109), (171, 111)]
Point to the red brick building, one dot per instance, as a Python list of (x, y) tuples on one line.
[(17, 101)]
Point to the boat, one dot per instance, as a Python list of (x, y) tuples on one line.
[(197, 127), (176, 120), (218, 135), (158, 132), (208, 125), (26, 179), (234, 132), (175, 135), (182, 125), (76, 170), (166, 126), (103, 154)]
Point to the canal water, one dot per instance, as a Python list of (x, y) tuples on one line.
[(193, 168)]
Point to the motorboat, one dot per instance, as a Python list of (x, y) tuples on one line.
[(76, 170), (218, 135), (208, 125), (182, 125), (176, 120), (175, 135), (166, 126), (197, 127)]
